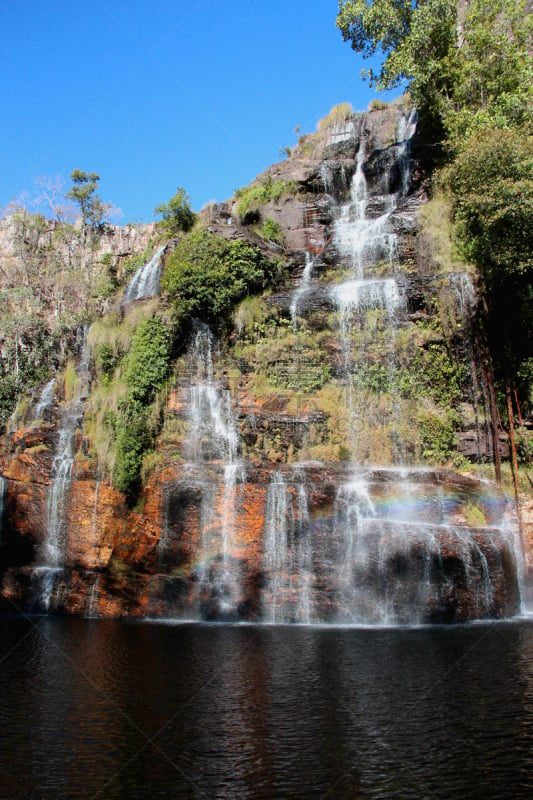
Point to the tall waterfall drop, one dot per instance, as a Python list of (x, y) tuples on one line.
[(145, 282), (53, 550), (215, 470)]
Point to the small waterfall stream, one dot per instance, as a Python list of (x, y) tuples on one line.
[(365, 238), (53, 548), (288, 552), (303, 286), (145, 282), (45, 401), (212, 449)]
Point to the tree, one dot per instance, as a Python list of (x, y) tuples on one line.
[(177, 214), (416, 38), (465, 62), (492, 183), (51, 196)]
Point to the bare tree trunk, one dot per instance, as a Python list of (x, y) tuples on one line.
[(514, 459)]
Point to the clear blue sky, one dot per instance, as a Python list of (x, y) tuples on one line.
[(156, 94)]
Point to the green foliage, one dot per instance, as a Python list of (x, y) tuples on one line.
[(84, 194), (207, 275), (474, 515), (145, 371), (147, 363), (271, 231), (252, 198), (438, 437), (105, 360), (132, 440), (9, 388), (462, 70), (251, 313), (177, 215), (436, 245), (288, 359), (493, 71), (492, 180), (439, 376)]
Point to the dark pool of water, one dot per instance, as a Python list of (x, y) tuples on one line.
[(94, 709)]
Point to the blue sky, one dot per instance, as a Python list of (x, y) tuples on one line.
[(167, 93)]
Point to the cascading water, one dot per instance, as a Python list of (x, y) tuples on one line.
[(303, 286), (364, 237), (212, 446), (288, 552), (45, 401), (397, 549), (145, 282), (53, 549), (361, 238)]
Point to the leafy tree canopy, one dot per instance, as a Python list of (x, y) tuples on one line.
[(84, 194), (207, 275), (467, 64), (178, 217)]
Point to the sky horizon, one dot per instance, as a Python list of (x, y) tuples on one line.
[(154, 96)]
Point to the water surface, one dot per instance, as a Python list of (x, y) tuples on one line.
[(102, 709)]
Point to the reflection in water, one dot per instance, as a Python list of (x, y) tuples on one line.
[(114, 710)]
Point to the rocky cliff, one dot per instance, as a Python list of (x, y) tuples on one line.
[(305, 465)]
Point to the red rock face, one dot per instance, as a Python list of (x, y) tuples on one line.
[(167, 557)]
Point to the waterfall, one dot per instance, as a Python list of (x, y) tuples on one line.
[(145, 282), (288, 553), (212, 449), (404, 135), (361, 237), (53, 549), (303, 286), (364, 236), (46, 399)]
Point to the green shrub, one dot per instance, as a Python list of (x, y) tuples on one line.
[(207, 275), (177, 215), (148, 361), (146, 368), (438, 437), (271, 231), (132, 440)]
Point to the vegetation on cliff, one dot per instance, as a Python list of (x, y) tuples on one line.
[(469, 70), (206, 276)]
